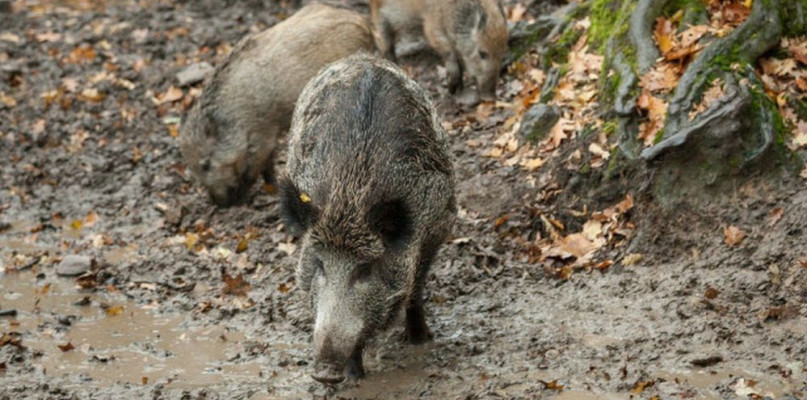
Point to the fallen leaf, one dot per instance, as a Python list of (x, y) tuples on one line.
[(803, 263), (639, 387), (553, 385), (632, 259), (77, 224), (190, 240), (592, 229), (733, 235), (7, 100), (656, 112), (269, 188), (171, 95), (305, 198), (284, 288), (775, 215), (662, 78), (711, 293), (664, 33), (500, 221), (93, 95), (144, 380), (242, 246), (234, 285), (113, 311), (288, 248), (66, 347)]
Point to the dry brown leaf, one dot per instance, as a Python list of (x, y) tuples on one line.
[(242, 246), (517, 12), (710, 96), (664, 33), (775, 215), (632, 259), (66, 347), (234, 285), (93, 95), (639, 387), (733, 235), (191, 239), (800, 132), (553, 385), (711, 293), (7, 100), (803, 263), (662, 78), (114, 310), (656, 112), (577, 245), (690, 36), (171, 95)]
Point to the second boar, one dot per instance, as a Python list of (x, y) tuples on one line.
[(468, 34), (371, 185), (229, 136)]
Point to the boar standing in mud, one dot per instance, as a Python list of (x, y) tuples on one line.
[(469, 34), (230, 135), (370, 186)]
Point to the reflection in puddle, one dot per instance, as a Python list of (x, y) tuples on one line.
[(133, 344)]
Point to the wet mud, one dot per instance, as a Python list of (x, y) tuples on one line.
[(181, 300)]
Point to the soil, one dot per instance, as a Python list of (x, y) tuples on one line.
[(160, 316)]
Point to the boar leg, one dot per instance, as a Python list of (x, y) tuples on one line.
[(454, 72), (354, 369), (386, 40), (269, 170), (417, 331)]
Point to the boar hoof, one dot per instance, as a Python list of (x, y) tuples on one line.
[(328, 374)]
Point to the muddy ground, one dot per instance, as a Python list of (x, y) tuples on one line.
[(187, 301)]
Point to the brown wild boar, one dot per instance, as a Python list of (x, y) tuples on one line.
[(229, 136), (469, 34), (370, 185)]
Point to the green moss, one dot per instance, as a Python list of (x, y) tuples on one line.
[(610, 127), (558, 52), (609, 18), (695, 11)]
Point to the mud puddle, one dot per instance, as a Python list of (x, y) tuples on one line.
[(112, 339)]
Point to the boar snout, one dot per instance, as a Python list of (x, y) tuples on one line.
[(487, 89)]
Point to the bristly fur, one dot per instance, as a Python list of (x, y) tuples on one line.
[(469, 35), (229, 136), (368, 150)]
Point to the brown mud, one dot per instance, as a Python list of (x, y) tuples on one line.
[(162, 312)]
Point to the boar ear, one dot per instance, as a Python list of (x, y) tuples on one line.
[(298, 212), (392, 220), (470, 17)]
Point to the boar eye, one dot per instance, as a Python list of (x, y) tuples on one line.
[(363, 273), (205, 165), (392, 221), (483, 55)]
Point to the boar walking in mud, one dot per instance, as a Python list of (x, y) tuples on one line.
[(370, 186), (229, 137), (468, 34)]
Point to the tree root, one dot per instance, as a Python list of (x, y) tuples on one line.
[(734, 125), (525, 36)]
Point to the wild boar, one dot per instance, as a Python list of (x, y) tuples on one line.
[(229, 136), (370, 185), (470, 34)]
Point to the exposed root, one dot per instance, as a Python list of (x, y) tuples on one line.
[(732, 119)]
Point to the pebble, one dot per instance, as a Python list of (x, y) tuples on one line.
[(194, 73), (73, 265)]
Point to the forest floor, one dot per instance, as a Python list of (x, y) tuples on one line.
[(181, 300)]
